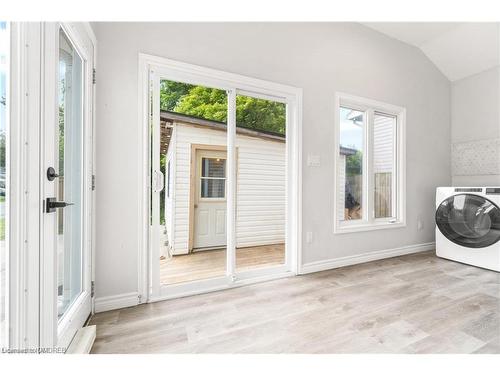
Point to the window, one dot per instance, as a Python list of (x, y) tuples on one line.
[(369, 165), (213, 178), (70, 181)]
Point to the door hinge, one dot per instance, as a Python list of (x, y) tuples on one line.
[(92, 289), (93, 76), (93, 182)]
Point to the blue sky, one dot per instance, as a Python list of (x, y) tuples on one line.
[(351, 135)]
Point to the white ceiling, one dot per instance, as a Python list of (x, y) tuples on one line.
[(459, 50)]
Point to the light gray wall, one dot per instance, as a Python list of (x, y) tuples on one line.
[(321, 58), (475, 116)]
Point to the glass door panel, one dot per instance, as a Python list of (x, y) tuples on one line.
[(260, 183), (188, 210), (71, 175)]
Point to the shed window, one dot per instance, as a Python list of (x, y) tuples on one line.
[(213, 178)]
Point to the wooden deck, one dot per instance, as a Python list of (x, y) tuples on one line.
[(212, 263)]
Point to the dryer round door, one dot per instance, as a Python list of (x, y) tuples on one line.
[(469, 220)]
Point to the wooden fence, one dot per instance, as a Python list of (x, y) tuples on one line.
[(383, 194)]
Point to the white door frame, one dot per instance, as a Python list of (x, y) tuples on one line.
[(151, 69), (55, 332), (24, 231)]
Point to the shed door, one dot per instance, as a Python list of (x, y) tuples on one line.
[(210, 201), (469, 220)]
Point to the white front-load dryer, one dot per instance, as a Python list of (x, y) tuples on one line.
[(468, 225)]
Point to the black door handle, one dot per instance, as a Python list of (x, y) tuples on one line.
[(51, 204)]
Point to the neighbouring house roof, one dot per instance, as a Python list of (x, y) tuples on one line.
[(347, 151), (168, 117)]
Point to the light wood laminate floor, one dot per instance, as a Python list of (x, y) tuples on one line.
[(411, 304), (212, 263)]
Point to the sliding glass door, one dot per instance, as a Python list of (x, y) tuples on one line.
[(260, 182), (219, 181), (188, 217)]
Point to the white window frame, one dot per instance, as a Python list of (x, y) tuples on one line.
[(201, 178), (368, 221)]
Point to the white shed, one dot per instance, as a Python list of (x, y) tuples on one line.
[(195, 199)]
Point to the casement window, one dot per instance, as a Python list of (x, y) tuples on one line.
[(369, 165)]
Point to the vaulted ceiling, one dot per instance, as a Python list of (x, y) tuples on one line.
[(459, 50)]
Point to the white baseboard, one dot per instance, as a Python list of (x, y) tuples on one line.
[(131, 299), (329, 264), (118, 301)]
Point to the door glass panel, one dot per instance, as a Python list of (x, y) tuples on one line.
[(350, 177), (4, 178), (213, 167), (469, 220), (384, 135), (192, 155), (70, 182), (260, 183)]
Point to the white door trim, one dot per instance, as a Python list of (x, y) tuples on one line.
[(231, 82), (24, 111)]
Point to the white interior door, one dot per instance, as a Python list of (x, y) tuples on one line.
[(210, 200), (67, 173)]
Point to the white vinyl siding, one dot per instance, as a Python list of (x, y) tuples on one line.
[(260, 192), (169, 199), (260, 188), (383, 138)]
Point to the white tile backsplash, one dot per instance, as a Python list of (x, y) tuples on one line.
[(476, 158)]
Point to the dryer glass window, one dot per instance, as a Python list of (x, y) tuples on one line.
[(469, 220)]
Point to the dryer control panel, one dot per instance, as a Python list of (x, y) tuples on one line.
[(468, 190), (493, 191)]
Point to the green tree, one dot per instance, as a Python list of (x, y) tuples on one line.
[(204, 102), (211, 104), (171, 92), (260, 114), (354, 164)]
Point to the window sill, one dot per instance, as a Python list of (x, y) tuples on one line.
[(367, 227)]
